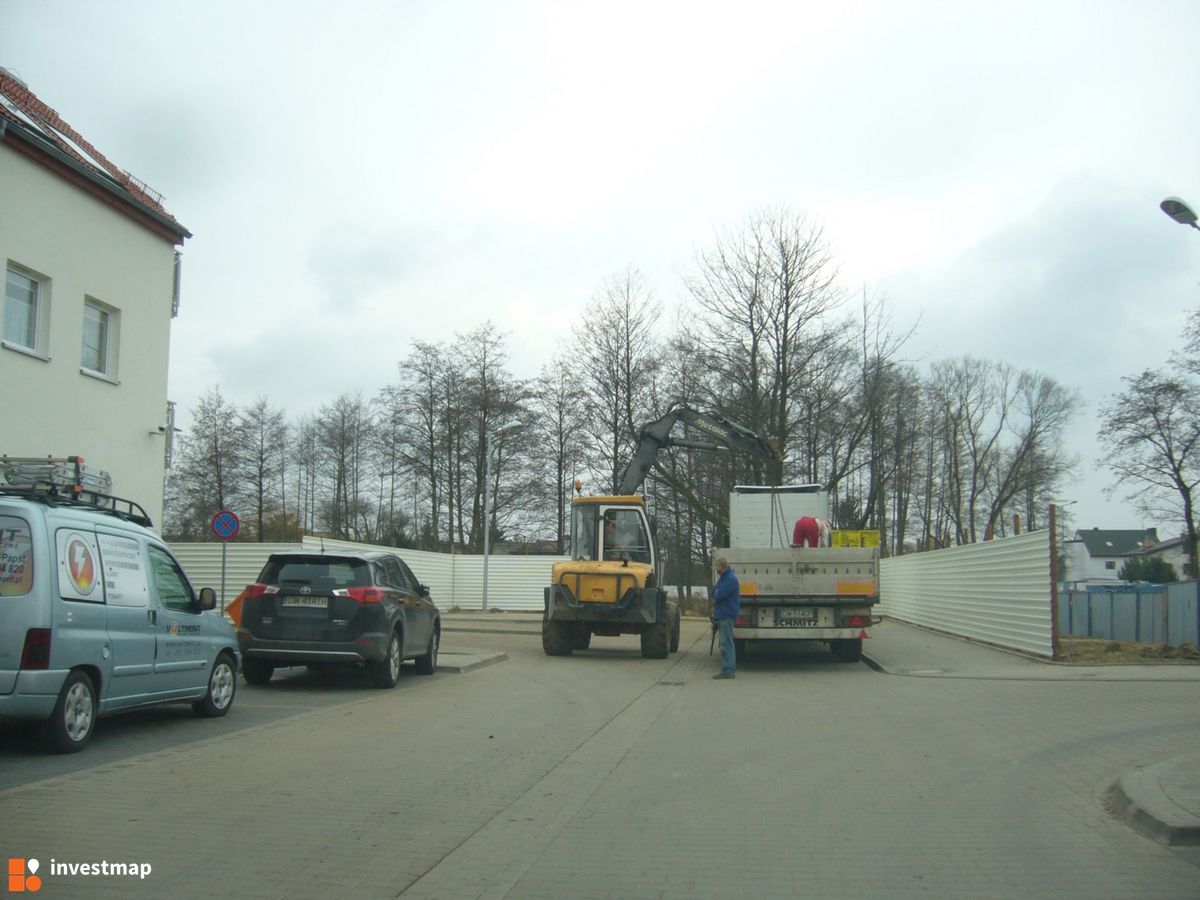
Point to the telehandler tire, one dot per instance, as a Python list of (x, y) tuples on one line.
[(556, 638), (656, 640), (675, 625)]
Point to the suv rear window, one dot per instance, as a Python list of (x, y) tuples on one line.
[(16, 557), (320, 574)]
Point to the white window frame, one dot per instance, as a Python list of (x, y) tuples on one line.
[(41, 312), (111, 319)]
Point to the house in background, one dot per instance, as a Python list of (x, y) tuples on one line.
[(91, 286), (1173, 551), (1097, 555)]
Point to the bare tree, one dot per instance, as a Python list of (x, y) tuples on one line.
[(264, 464), (558, 405), (619, 353), (1150, 435), (205, 479)]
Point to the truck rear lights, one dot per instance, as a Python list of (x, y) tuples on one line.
[(743, 622), (856, 621), (36, 653)]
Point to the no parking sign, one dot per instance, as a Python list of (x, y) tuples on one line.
[(225, 525)]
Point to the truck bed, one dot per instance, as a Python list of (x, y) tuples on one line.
[(828, 576)]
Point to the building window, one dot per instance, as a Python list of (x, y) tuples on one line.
[(99, 338), (22, 306), (1110, 564)]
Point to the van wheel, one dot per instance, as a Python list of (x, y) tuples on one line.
[(427, 664), (385, 674), (70, 726), (257, 671), (222, 685)]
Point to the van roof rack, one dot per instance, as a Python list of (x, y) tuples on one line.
[(66, 481)]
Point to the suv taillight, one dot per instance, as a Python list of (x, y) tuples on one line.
[(257, 590), (36, 653), (365, 594)]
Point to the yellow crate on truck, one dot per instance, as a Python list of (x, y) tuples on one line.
[(847, 538)]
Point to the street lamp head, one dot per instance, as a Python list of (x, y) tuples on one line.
[(1179, 211)]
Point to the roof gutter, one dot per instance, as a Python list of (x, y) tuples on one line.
[(105, 190)]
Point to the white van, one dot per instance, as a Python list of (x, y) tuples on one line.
[(96, 615)]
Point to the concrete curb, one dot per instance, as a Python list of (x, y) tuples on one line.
[(1143, 797), (463, 661)]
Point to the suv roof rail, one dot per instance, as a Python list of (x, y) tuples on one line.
[(66, 481)]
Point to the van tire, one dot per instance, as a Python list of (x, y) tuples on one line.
[(222, 686), (257, 671), (73, 721), (386, 672)]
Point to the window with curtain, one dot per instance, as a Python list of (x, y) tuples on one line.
[(96, 329), (21, 295)]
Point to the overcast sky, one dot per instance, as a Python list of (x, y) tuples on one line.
[(359, 174)]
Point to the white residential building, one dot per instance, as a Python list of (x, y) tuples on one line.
[(91, 286)]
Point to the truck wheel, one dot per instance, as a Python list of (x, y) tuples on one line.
[(257, 671), (656, 640), (70, 726), (675, 623), (582, 637), (847, 649), (556, 641)]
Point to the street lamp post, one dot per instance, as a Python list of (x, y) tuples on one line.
[(487, 496), (1179, 211)]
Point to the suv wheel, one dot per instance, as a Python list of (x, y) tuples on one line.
[(257, 671), (385, 674), (70, 726), (427, 664)]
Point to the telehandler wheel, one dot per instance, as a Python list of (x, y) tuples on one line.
[(656, 640), (675, 624), (847, 649), (581, 637), (556, 638)]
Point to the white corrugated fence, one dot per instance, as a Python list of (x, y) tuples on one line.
[(996, 591), (514, 582)]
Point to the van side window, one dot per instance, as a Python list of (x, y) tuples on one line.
[(170, 583), (16, 557)]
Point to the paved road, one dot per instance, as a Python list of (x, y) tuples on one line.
[(607, 775)]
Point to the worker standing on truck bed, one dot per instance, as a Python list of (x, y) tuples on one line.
[(727, 601)]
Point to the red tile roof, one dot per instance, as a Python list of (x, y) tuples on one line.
[(38, 124)]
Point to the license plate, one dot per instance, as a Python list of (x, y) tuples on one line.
[(792, 618), (311, 602)]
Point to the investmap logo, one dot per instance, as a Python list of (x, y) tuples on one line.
[(23, 877)]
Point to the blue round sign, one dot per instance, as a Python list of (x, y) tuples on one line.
[(225, 525)]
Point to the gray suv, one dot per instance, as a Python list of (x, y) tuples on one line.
[(338, 608)]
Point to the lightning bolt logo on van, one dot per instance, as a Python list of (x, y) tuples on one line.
[(81, 565)]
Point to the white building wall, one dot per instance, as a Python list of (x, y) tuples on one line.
[(998, 591), (87, 250)]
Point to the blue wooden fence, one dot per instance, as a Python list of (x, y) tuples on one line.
[(1156, 614)]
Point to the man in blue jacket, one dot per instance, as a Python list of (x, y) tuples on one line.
[(727, 600)]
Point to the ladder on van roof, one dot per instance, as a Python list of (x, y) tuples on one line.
[(67, 481), (67, 472)]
